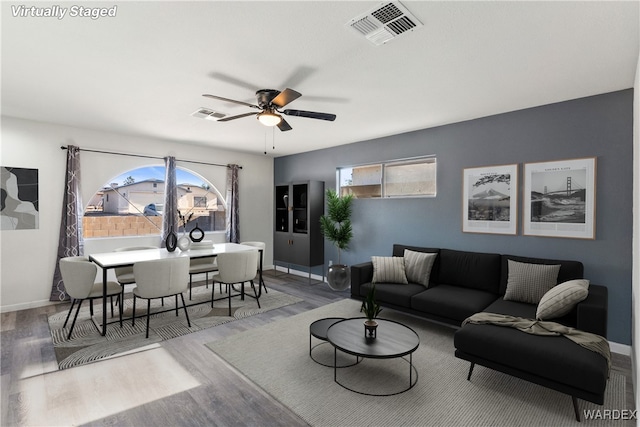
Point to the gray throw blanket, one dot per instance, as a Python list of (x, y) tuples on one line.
[(587, 340)]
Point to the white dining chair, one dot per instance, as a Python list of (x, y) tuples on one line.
[(160, 278), (237, 268), (262, 246), (79, 277), (199, 266), (124, 275)]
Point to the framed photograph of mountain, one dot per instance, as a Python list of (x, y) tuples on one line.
[(560, 198), (490, 200)]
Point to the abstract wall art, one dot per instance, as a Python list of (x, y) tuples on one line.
[(19, 197)]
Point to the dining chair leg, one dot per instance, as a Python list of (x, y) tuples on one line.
[(74, 319), (91, 307), (190, 278), (133, 317), (185, 308), (213, 291), (111, 299), (255, 293), (120, 310), (206, 280), (73, 302), (229, 298), (148, 316), (176, 305)]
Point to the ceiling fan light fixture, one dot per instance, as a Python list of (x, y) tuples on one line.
[(269, 118)]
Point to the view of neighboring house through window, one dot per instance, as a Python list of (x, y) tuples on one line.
[(132, 204), (401, 178)]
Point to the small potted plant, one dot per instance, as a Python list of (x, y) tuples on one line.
[(336, 227), (371, 309)]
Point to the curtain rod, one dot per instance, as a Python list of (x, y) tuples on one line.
[(147, 157)]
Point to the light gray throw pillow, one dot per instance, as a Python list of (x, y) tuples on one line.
[(561, 299), (529, 282), (418, 266), (388, 270)]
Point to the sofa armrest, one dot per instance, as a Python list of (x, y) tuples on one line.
[(592, 313), (360, 274)]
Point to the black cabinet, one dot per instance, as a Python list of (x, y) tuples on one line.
[(297, 238)]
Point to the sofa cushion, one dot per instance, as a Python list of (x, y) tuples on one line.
[(418, 266), (561, 299), (555, 358), (529, 282), (569, 270), (527, 311), (451, 302), (480, 271), (388, 270), (512, 308), (393, 293)]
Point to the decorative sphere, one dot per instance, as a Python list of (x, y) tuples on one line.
[(339, 277)]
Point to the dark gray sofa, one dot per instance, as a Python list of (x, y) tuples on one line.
[(464, 283)]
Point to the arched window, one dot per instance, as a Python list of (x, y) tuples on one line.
[(132, 204)]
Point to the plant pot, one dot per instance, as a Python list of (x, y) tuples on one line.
[(370, 329), (339, 277)]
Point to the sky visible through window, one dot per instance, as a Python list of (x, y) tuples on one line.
[(157, 172)]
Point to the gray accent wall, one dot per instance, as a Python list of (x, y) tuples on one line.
[(598, 126)]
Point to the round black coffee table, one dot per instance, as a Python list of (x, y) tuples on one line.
[(394, 340), (318, 329)]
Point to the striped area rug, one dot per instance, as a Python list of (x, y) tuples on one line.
[(276, 358), (88, 345)]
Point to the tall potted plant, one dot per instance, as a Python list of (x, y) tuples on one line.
[(336, 227)]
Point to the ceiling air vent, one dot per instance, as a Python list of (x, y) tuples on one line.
[(205, 113), (384, 23)]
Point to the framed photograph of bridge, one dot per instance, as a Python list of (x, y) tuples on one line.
[(490, 200), (560, 198)]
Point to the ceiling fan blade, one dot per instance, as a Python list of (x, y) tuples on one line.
[(310, 114), (239, 116), (284, 126), (285, 97), (232, 100)]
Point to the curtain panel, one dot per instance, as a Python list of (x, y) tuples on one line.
[(70, 242), (233, 225), (170, 214)]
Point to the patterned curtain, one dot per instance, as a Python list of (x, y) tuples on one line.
[(170, 215), (233, 229), (70, 242)]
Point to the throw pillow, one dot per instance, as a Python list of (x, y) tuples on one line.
[(388, 270), (418, 266), (529, 282), (561, 299)]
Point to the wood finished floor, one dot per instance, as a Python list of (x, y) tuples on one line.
[(176, 383)]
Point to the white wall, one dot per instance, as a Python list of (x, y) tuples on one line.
[(28, 256), (635, 295)]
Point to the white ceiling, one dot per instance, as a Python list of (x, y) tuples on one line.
[(144, 71)]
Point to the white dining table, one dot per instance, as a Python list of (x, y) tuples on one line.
[(109, 260)]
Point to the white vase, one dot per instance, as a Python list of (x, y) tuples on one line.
[(184, 243)]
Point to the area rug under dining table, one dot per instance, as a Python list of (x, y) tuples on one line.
[(276, 358), (88, 345)]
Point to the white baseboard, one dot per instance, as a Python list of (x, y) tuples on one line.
[(623, 349), (26, 305)]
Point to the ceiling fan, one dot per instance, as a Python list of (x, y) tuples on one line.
[(270, 102)]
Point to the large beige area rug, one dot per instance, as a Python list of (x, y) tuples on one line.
[(88, 345), (276, 358)]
